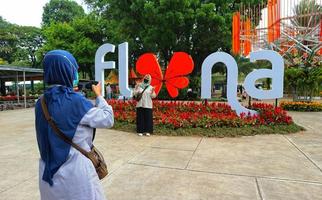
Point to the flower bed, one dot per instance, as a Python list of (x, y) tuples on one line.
[(13, 106), (15, 98), (302, 106), (190, 118), (10, 102)]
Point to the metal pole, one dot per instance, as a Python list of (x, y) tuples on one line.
[(24, 88), (276, 103), (249, 101), (17, 87)]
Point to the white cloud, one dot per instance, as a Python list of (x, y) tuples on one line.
[(25, 12)]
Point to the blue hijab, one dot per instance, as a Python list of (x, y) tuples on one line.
[(66, 107)]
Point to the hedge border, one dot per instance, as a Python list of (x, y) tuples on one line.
[(219, 132)]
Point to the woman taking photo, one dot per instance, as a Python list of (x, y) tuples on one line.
[(144, 115), (64, 172)]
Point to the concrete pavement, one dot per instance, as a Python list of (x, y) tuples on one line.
[(270, 167)]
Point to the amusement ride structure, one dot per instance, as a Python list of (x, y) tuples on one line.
[(286, 26)]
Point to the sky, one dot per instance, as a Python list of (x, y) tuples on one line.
[(25, 12)]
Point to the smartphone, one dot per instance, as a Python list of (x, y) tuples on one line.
[(90, 83)]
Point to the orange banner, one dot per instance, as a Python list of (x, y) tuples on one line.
[(247, 43), (274, 30), (236, 33), (321, 35)]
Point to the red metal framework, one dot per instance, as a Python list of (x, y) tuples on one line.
[(286, 26)]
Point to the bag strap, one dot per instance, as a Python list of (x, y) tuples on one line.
[(141, 94), (57, 130), (94, 133), (145, 89)]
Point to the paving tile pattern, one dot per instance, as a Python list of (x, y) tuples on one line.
[(277, 167)]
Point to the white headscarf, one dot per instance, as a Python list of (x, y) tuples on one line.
[(146, 77)]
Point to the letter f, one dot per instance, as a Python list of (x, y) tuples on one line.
[(101, 65)]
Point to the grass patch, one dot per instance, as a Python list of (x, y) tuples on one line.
[(217, 131)]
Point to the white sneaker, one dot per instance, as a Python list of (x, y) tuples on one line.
[(148, 134), (140, 134)]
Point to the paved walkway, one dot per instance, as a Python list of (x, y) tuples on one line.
[(185, 168)]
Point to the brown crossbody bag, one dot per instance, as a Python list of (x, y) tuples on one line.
[(94, 155)]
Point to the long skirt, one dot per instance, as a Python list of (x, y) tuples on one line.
[(144, 120)]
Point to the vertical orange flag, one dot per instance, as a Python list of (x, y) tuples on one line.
[(247, 43), (270, 33), (278, 19), (236, 33), (321, 35)]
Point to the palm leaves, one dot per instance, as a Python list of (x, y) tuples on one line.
[(307, 14)]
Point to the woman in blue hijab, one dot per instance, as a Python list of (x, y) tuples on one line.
[(65, 173)]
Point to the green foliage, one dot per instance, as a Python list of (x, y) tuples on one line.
[(165, 26), (59, 36), (61, 11), (159, 26), (18, 44), (30, 40), (81, 37), (8, 40), (38, 89), (304, 75), (244, 65), (303, 13), (3, 62), (304, 81), (195, 83)]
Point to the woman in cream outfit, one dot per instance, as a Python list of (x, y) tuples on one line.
[(144, 114)]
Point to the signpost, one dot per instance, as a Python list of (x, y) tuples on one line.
[(276, 74)]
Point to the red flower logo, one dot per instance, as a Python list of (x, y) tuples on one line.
[(181, 64)]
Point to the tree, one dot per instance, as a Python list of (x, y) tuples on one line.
[(161, 27), (165, 26), (61, 11), (81, 37), (304, 75), (30, 40), (91, 30), (8, 40), (18, 44)]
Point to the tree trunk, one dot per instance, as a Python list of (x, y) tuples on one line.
[(294, 93), (90, 73), (224, 90)]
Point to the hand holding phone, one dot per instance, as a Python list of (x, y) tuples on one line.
[(97, 89)]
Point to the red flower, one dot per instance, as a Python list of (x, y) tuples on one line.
[(192, 114)]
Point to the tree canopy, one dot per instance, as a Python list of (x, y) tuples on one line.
[(8, 41), (198, 27), (19, 44), (81, 37), (164, 26), (61, 11)]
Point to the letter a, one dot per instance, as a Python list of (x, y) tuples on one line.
[(232, 76), (276, 74)]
